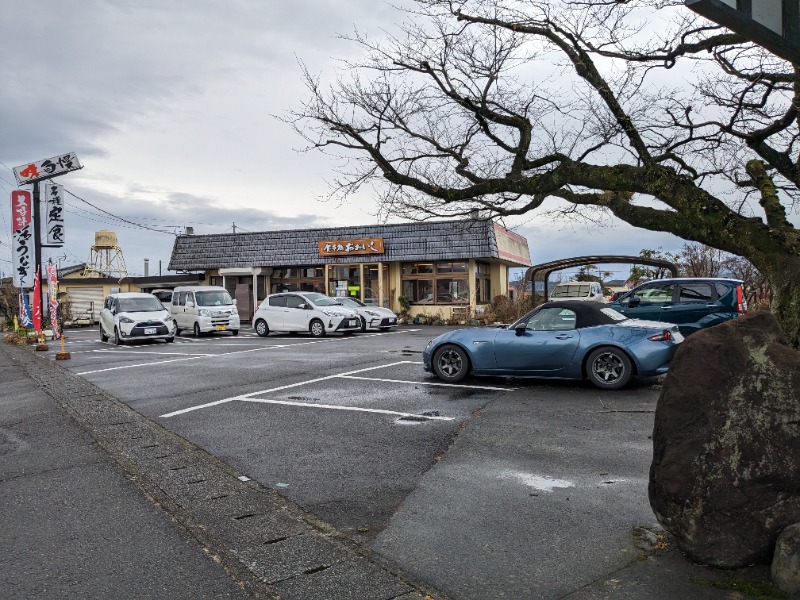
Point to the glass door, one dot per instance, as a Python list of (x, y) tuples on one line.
[(344, 280), (376, 284)]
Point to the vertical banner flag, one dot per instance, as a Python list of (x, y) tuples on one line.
[(25, 319), (54, 213), (23, 242), (52, 292), (37, 301)]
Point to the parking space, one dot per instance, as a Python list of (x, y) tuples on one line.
[(344, 426), (353, 429)]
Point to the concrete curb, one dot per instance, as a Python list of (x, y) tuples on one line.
[(270, 546)]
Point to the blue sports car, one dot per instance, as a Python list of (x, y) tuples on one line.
[(560, 340)]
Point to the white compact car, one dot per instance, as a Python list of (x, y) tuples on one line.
[(135, 316), (372, 317), (313, 312), (590, 291)]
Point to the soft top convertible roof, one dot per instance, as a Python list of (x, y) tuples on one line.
[(588, 314)]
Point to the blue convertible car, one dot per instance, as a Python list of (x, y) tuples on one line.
[(561, 340)]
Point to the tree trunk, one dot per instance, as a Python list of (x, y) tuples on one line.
[(783, 273)]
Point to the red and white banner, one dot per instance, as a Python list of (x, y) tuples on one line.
[(52, 292), (37, 301), (23, 242)]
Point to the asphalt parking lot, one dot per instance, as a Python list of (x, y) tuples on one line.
[(492, 488)]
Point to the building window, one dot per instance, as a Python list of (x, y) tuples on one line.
[(418, 291), (444, 282), (483, 283), (417, 268), (298, 279)]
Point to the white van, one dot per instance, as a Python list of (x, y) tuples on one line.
[(591, 291), (204, 309), (164, 296)]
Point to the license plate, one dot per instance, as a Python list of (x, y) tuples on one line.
[(392, 320), (220, 327), (150, 331), (353, 322)]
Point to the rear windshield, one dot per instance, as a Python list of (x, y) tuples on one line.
[(213, 298), (571, 290)]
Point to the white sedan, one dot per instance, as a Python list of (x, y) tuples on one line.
[(372, 317)]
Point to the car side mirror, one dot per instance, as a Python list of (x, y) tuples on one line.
[(520, 330), (235, 302), (634, 302), (303, 306)]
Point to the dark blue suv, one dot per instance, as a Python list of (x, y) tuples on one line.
[(692, 303)]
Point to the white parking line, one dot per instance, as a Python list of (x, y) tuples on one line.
[(277, 389), (350, 408), (220, 354), (108, 350), (348, 375), (163, 362), (434, 383)]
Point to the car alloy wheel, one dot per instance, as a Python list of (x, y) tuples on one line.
[(117, 338), (103, 336), (197, 331), (261, 328), (609, 368), (450, 363), (316, 328)]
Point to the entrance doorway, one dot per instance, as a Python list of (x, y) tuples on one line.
[(346, 280)]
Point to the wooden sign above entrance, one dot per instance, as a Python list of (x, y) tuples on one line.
[(350, 247)]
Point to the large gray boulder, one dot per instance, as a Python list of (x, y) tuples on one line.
[(725, 477), (785, 568)]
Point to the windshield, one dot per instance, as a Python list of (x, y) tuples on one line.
[(321, 299), (351, 302), (213, 298), (571, 290), (613, 314), (143, 304)]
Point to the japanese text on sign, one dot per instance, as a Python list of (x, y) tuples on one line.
[(350, 247), (44, 169), (23, 243), (54, 213)]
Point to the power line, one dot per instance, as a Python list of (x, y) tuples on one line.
[(118, 217)]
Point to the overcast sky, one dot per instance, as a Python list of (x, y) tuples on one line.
[(169, 107)]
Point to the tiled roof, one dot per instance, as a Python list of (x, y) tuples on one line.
[(427, 240)]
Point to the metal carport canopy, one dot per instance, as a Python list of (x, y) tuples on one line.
[(542, 272)]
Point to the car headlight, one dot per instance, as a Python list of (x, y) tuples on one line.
[(234, 311), (372, 313), (126, 320), (205, 313), (331, 313)]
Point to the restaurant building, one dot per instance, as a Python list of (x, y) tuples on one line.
[(445, 269)]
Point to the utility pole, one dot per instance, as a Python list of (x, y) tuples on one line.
[(234, 228)]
